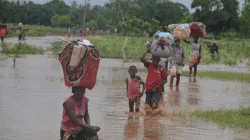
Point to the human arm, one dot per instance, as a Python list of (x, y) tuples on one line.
[(86, 116), (164, 76), (143, 85), (187, 41), (143, 60), (71, 113), (127, 86)]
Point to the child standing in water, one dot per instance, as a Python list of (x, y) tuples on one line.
[(133, 89), (156, 78)]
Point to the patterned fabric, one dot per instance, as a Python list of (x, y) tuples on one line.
[(85, 69), (194, 58)]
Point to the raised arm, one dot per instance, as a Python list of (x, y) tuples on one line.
[(187, 41), (143, 60), (143, 84)]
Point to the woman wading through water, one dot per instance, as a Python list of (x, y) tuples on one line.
[(195, 55), (75, 109)]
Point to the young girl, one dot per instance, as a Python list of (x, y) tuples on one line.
[(133, 89), (75, 124)]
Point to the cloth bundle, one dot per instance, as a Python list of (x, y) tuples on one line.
[(179, 31), (80, 63), (197, 29)]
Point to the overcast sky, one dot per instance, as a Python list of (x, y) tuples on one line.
[(101, 2)]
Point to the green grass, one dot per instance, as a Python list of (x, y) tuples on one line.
[(57, 47), (21, 49), (35, 30), (111, 46), (225, 76), (239, 118)]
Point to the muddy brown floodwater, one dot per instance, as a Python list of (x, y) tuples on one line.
[(32, 93)]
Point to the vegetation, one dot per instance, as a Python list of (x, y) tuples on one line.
[(226, 76), (131, 17), (56, 47), (21, 49), (111, 46), (235, 118)]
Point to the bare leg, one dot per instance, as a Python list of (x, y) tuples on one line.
[(177, 79), (190, 71), (131, 105), (171, 80), (195, 70)]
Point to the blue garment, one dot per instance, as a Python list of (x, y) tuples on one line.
[(162, 63), (166, 35)]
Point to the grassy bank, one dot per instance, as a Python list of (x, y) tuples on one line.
[(35, 30), (239, 118), (225, 76), (21, 49), (230, 51)]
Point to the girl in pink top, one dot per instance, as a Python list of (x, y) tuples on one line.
[(133, 89), (75, 109)]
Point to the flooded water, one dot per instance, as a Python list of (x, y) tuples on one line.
[(32, 93)]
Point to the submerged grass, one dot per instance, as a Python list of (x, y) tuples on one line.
[(21, 49), (57, 47), (239, 118)]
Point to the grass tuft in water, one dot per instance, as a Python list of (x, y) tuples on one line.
[(20, 49), (57, 47), (234, 118)]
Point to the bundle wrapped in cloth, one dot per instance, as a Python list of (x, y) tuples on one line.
[(163, 46), (197, 29), (80, 61), (179, 31)]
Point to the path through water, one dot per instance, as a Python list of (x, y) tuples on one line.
[(32, 93)]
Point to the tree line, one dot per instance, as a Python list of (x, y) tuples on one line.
[(131, 16)]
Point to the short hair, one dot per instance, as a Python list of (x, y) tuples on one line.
[(132, 67)]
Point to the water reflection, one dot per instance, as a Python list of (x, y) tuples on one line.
[(152, 128), (193, 91), (131, 128)]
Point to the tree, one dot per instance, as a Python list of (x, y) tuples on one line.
[(245, 20)]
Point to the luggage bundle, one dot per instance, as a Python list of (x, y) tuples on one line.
[(184, 31), (80, 62), (163, 46)]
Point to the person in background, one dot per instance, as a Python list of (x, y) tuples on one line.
[(133, 89), (86, 31), (75, 109), (213, 48), (156, 78), (69, 31), (3, 31), (195, 55), (80, 31), (179, 55), (93, 31)]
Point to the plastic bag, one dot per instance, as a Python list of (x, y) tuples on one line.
[(163, 50), (181, 32), (197, 29)]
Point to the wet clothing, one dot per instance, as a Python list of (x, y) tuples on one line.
[(155, 76), (153, 97), (66, 124), (82, 135), (177, 67), (70, 131), (133, 88)]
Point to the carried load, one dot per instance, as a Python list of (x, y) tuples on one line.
[(197, 29), (163, 46), (179, 31), (80, 62)]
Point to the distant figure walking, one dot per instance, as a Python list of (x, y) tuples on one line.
[(93, 31), (80, 31), (87, 31), (69, 31)]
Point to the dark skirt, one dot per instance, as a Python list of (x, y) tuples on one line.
[(82, 135)]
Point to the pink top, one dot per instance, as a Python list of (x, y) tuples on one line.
[(66, 124), (133, 88)]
